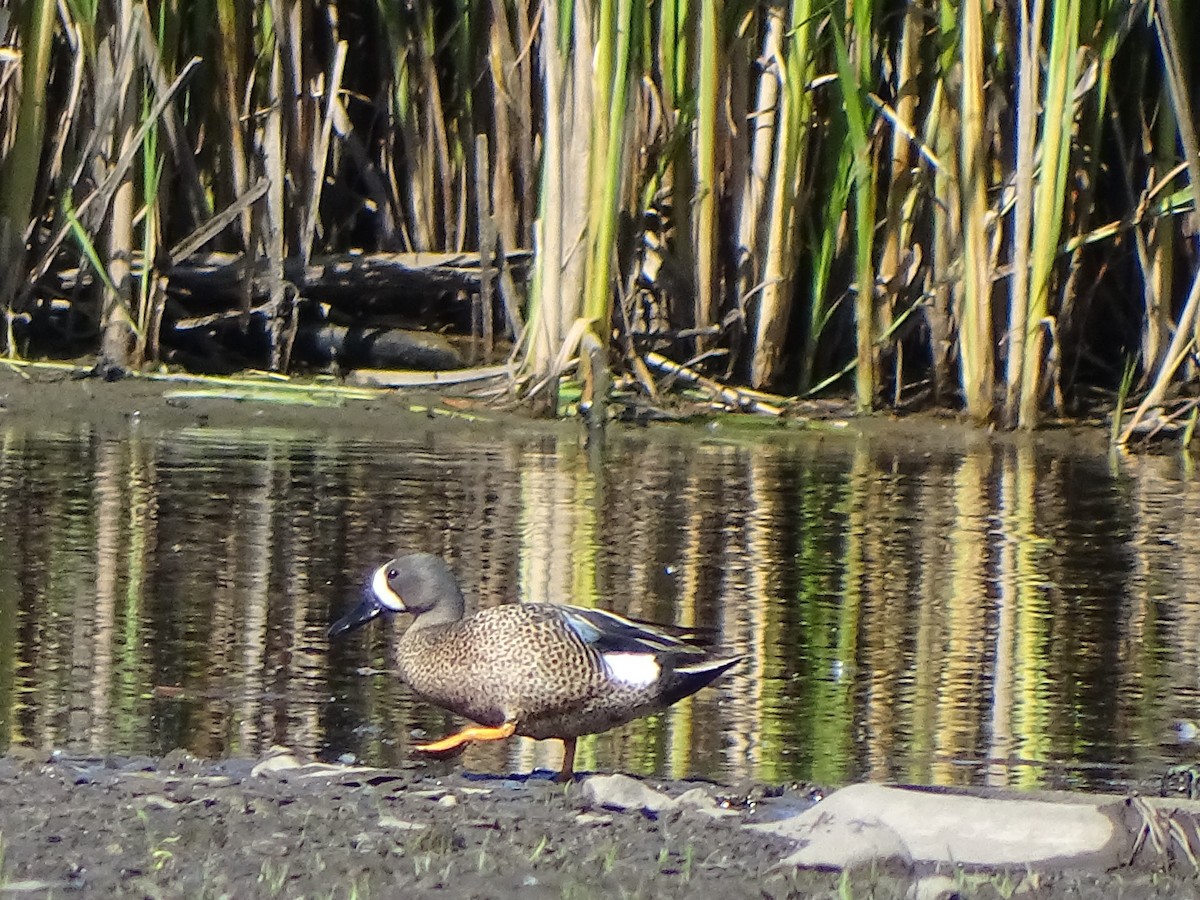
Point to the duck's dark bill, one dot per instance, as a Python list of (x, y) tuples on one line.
[(360, 615)]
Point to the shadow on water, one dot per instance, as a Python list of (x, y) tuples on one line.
[(1004, 615)]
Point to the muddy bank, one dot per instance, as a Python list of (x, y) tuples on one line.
[(179, 827), (42, 395)]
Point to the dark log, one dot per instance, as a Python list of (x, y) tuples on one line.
[(347, 278), (375, 348)]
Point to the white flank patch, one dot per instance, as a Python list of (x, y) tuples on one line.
[(383, 591), (637, 670)]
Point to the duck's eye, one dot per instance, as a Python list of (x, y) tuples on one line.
[(393, 575)]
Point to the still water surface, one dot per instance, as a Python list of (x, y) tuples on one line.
[(999, 615)]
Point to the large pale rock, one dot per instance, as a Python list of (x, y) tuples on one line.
[(870, 823), (622, 792)]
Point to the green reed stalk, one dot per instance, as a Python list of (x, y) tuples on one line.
[(1123, 389), (836, 183), (1049, 197), (151, 166), (601, 166), (706, 178), (851, 78), (20, 170), (613, 68), (86, 245), (974, 339), (673, 50)]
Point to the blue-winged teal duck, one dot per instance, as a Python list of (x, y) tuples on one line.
[(536, 669)]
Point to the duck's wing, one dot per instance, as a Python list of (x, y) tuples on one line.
[(610, 633), (693, 635)]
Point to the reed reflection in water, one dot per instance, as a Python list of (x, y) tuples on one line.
[(1001, 615)]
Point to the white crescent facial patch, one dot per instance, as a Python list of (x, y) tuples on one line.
[(383, 591)]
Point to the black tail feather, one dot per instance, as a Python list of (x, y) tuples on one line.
[(686, 680)]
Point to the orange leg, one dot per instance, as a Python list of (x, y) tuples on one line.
[(466, 736), (568, 764)]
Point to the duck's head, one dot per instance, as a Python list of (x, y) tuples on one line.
[(420, 584)]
